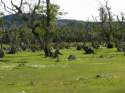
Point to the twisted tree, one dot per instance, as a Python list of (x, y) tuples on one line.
[(107, 22), (41, 15)]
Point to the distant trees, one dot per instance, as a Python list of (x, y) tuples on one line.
[(36, 28), (1, 34), (3, 28)]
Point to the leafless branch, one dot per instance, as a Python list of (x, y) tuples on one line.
[(18, 8), (36, 6), (8, 9)]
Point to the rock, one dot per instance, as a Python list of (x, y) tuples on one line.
[(71, 57)]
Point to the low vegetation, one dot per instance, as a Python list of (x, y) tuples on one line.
[(102, 72), (41, 54)]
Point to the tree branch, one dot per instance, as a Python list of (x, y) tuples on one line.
[(18, 8), (36, 6), (8, 9)]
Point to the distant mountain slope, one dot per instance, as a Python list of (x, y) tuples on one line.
[(60, 22)]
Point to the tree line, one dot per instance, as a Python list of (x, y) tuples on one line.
[(38, 28)]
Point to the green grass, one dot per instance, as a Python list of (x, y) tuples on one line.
[(27, 72)]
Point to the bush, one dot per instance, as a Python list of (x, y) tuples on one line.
[(23, 47), (62, 45), (79, 47), (110, 45), (71, 57), (34, 48), (12, 50), (120, 46), (56, 53), (1, 53), (95, 45), (88, 50), (120, 49)]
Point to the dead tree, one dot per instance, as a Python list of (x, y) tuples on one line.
[(31, 17), (120, 34), (106, 19)]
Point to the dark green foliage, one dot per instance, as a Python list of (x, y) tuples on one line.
[(62, 45), (120, 48), (52, 52), (110, 45), (48, 52), (34, 48), (12, 50), (56, 54), (79, 47), (101, 56), (95, 45), (1, 53), (66, 45), (23, 46), (98, 76)]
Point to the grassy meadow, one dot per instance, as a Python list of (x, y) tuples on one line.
[(27, 72)]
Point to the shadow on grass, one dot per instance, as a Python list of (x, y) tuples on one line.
[(4, 61), (21, 61)]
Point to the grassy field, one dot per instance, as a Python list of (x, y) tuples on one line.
[(27, 72)]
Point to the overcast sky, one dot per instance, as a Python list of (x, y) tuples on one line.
[(84, 9)]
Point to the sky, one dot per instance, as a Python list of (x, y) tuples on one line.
[(84, 9)]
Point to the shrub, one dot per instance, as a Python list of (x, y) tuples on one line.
[(120, 46), (88, 50), (110, 45), (1, 53), (62, 45), (34, 48), (71, 57), (95, 45), (79, 47), (12, 50)]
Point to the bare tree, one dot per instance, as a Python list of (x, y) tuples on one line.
[(32, 18), (107, 22)]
